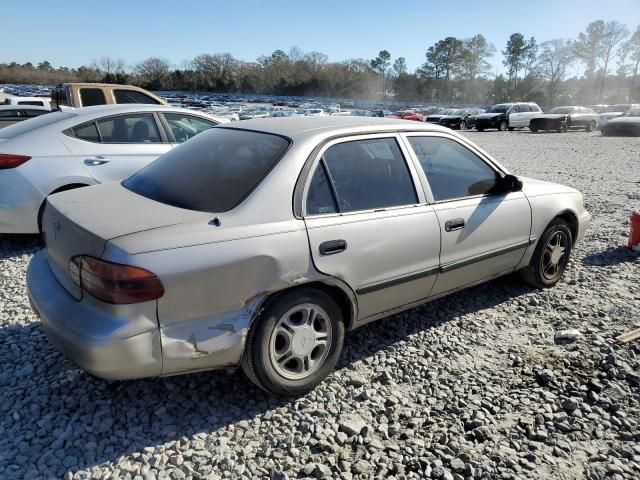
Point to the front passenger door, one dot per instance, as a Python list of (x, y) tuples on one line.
[(484, 231)]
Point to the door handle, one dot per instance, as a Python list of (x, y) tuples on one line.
[(332, 247), (94, 162), (455, 224)]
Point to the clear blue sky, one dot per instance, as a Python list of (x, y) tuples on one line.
[(74, 32)]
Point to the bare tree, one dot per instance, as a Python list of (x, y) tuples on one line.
[(153, 72), (633, 48), (613, 34), (554, 60)]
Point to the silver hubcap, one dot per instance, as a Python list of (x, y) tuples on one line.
[(300, 341), (554, 255)]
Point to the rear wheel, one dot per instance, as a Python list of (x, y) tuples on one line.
[(295, 343), (480, 129), (502, 126), (534, 128), (550, 257), (463, 125)]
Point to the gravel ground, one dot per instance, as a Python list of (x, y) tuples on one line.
[(474, 385)]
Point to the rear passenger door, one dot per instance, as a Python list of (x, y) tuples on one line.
[(115, 147), (484, 231), (369, 224)]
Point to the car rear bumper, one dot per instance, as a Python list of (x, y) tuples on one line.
[(95, 340), (20, 202)]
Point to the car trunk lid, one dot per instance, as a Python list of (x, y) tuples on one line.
[(81, 221)]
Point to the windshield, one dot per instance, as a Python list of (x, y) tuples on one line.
[(634, 112), (27, 126), (562, 110), (499, 108), (213, 172), (461, 111)]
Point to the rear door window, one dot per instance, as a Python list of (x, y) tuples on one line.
[(138, 128), (369, 174), (133, 96), (525, 108), (92, 96)]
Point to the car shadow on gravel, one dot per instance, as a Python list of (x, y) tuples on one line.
[(54, 414), (17, 245), (610, 257)]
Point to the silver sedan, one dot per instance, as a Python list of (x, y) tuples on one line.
[(260, 244)]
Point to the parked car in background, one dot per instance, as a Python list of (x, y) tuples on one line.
[(507, 116), (435, 117), (314, 112), (91, 94), (28, 101), (626, 125), (407, 115), (460, 119), (614, 111), (560, 119), (79, 147), (264, 258), (249, 114), (10, 114)]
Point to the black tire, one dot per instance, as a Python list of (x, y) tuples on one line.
[(463, 125), (511, 129), (502, 126), (256, 359), (534, 128), (536, 274), (480, 129)]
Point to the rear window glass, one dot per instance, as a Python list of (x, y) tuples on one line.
[(24, 127), (131, 96), (213, 172), (92, 96)]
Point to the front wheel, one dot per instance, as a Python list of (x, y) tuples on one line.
[(295, 343), (463, 125), (502, 126), (550, 257), (534, 128)]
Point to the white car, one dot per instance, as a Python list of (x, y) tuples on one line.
[(32, 101), (80, 147)]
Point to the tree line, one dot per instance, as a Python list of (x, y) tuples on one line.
[(600, 65)]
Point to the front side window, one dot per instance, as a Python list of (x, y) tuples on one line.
[(370, 174), (213, 172), (133, 96), (184, 127), (138, 128), (514, 109), (453, 171), (92, 96)]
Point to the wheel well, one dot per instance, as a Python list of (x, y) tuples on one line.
[(572, 220), (63, 188), (338, 294)]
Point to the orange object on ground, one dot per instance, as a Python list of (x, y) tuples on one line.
[(634, 235)]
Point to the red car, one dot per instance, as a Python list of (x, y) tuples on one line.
[(408, 115)]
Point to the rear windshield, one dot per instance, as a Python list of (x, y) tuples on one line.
[(212, 172), (28, 125)]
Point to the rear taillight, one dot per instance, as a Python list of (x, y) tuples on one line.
[(8, 160), (114, 282)]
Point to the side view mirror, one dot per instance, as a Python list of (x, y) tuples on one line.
[(511, 183)]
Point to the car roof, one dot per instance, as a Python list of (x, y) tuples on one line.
[(301, 127), (114, 109)]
